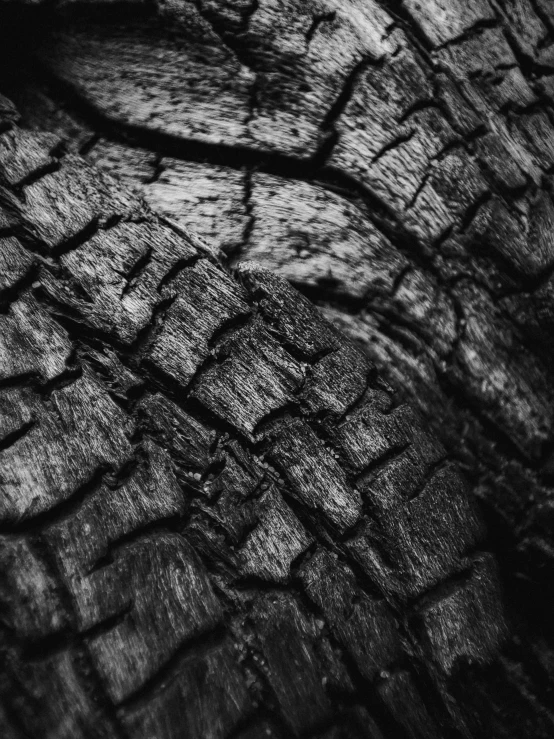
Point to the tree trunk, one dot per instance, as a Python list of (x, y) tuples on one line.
[(219, 518)]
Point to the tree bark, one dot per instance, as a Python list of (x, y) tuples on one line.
[(207, 484)]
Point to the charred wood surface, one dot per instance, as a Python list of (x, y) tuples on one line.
[(394, 161), (206, 484)]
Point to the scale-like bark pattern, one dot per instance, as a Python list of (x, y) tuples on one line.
[(254, 540), (394, 160)]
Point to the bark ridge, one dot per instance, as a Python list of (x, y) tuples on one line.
[(217, 519)]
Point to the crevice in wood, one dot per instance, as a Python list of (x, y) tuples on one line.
[(36, 176), (138, 269), (10, 439), (11, 294), (180, 266), (79, 239), (448, 586), (194, 647), (370, 473), (250, 218), (317, 21), (229, 328), (470, 34), (330, 135), (403, 139), (150, 529), (59, 512)]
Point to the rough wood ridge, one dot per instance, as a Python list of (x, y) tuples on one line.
[(217, 521), (394, 159)]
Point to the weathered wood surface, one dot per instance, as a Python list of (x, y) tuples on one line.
[(395, 163), (255, 540), (393, 160)]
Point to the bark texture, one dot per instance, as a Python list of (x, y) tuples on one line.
[(393, 160), (217, 520), (223, 522)]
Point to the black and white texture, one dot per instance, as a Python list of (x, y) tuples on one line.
[(219, 519)]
